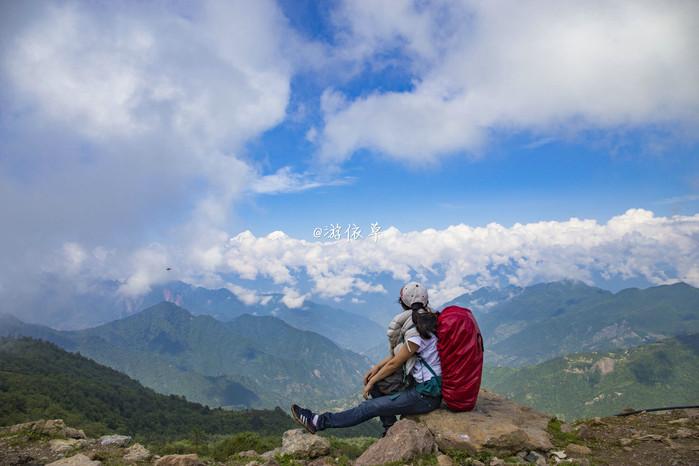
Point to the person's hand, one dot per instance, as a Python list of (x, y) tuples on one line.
[(370, 373), (367, 389)]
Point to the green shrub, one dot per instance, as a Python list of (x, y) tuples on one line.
[(224, 449), (350, 447)]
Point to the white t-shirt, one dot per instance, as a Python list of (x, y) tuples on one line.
[(427, 350)]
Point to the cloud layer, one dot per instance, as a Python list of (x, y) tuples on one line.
[(542, 67), (452, 261), (123, 123)]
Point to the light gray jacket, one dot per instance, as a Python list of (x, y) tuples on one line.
[(399, 330)]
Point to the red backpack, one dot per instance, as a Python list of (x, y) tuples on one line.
[(460, 347)]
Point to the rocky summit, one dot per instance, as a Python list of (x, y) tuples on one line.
[(497, 432)]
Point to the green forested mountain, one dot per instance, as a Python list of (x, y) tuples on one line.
[(664, 373), (348, 330), (540, 322), (58, 308), (40, 380), (248, 362)]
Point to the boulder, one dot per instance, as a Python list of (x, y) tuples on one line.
[(58, 445), (50, 427), (114, 440), (179, 460), (404, 441), (495, 424), (136, 453), (301, 444), (76, 460), (444, 460)]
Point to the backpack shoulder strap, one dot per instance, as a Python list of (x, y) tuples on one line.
[(429, 368)]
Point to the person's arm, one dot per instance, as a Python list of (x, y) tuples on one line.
[(376, 368), (392, 365)]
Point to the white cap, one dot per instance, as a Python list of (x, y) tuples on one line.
[(412, 293)]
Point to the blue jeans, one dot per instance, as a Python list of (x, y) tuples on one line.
[(408, 401)]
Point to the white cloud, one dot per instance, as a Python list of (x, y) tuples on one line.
[(124, 121), (285, 180), (292, 298), (540, 67), (246, 295), (148, 267), (462, 258)]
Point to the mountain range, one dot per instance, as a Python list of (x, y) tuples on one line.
[(101, 303), (524, 326), (250, 361), (660, 374)]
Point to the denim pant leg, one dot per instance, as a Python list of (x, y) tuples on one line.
[(405, 402), (386, 421)]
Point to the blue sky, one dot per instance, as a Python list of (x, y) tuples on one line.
[(510, 142)]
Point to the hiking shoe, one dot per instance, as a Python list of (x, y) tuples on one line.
[(304, 417)]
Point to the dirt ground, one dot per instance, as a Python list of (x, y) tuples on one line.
[(663, 438)]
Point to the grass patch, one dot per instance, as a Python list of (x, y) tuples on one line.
[(351, 448), (558, 437), (464, 458), (424, 460)]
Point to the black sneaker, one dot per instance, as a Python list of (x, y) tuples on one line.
[(303, 417)]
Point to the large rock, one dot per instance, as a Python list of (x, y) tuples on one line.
[(496, 424), (76, 460), (49, 427), (301, 444), (179, 460), (404, 441)]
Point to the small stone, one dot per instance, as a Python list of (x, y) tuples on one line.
[(444, 460), (71, 432), (179, 460), (477, 463), (324, 461), (136, 453), (535, 457), (573, 449), (269, 455), (76, 460), (114, 440), (627, 449), (247, 454), (682, 420), (495, 461), (624, 442), (683, 432), (63, 445), (560, 454), (253, 463)]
